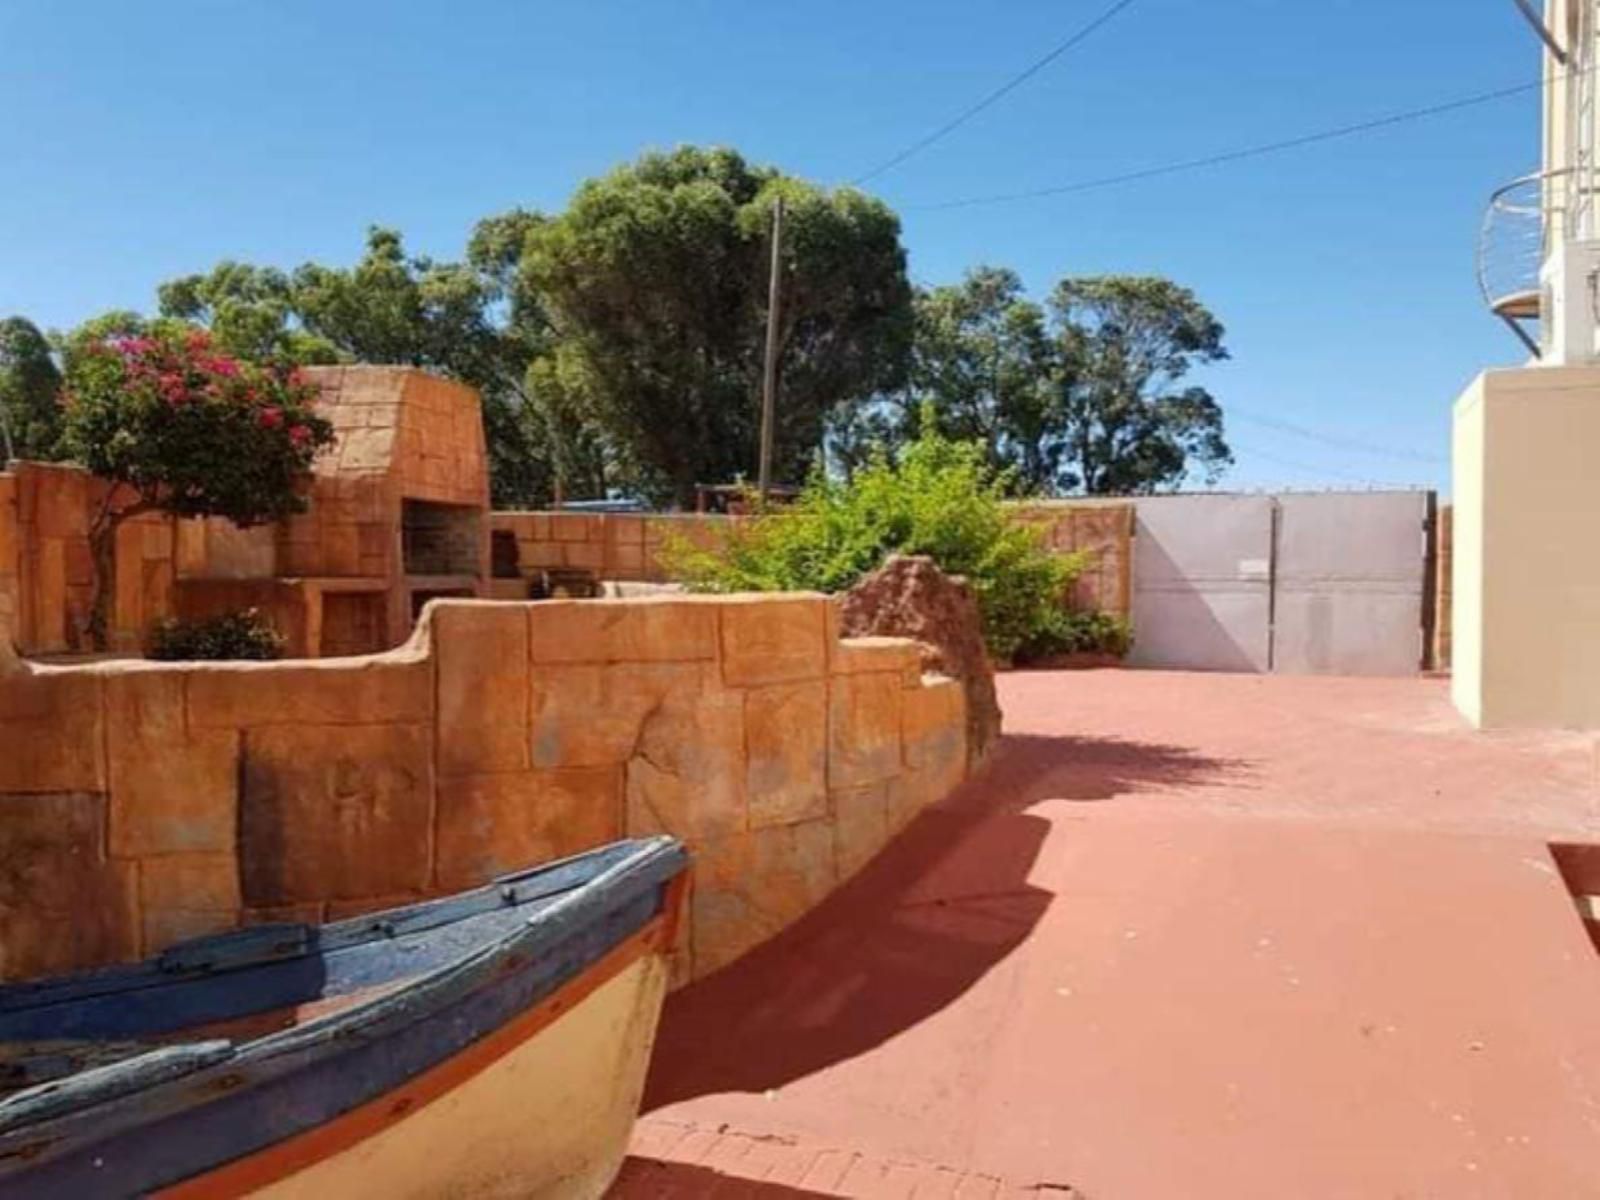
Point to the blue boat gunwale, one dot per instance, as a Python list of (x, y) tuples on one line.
[(185, 959), (106, 1102)]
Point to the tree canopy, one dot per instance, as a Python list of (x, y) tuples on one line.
[(1129, 423), (1083, 395), (618, 345), (30, 384), (184, 429), (460, 319), (984, 356), (655, 279)]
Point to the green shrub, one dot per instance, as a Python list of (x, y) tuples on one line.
[(186, 430), (238, 635), (1068, 632), (939, 499)]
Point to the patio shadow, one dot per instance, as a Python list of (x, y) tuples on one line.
[(652, 1178), (1036, 767), (943, 903)]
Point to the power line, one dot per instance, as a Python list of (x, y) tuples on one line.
[(1305, 468), (1004, 89), (1332, 439), (1229, 156)]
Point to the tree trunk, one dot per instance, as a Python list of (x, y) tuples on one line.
[(103, 550)]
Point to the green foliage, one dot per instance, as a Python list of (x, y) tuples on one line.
[(30, 386), (940, 498), (239, 635), (984, 355), (620, 343), (1127, 344), (187, 430), (250, 312), (1085, 396), (1069, 632), (458, 319), (656, 276)]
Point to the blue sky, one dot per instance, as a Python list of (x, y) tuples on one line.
[(144, 141)]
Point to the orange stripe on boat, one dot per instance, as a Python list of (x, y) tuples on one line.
[(285, 1158)]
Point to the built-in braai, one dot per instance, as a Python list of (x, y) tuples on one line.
[(440, 539), (396, 513)]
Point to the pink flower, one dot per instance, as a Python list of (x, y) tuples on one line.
[(131, 347), (299, 435), (197, 340), (225, 367), (271, 418)]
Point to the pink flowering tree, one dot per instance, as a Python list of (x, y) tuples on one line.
[(186, 430)]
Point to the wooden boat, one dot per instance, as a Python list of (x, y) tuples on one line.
[(491, 1043)]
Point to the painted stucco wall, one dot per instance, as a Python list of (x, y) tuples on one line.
[(1525, 577), (142, 803)]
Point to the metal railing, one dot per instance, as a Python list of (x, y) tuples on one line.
[(1515, 238)]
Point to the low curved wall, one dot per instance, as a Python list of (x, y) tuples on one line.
[(142, 803)]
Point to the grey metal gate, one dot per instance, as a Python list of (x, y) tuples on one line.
[(1300, 583), (1202, 583), (1349, 578)]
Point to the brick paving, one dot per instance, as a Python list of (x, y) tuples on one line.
[(673, 1158), (1188, 936)]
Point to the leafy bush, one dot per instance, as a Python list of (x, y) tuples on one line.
[(940, 499), (188, 431), (238, 635), (1067, 632)]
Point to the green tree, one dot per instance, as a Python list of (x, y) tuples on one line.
[(1129, 424), (655, 279), (250, 311), (1086, 395), (185, 429), (561, 449), (459, 319), (30, 388), (985, 360)]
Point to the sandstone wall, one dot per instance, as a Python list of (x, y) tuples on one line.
[(401, 433), (142, 803), (1443, 565), (47, 573), (1105, 528), (621, 546), (625, 546), (10, 544), (352, 532)]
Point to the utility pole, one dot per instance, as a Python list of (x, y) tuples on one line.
[(769, 380)]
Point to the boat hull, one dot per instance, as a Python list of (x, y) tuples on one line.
[(548, 1118), (489, 1044)]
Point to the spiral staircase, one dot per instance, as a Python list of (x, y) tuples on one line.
[(1538, 253)]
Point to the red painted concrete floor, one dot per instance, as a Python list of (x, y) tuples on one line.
[(1188, 936)]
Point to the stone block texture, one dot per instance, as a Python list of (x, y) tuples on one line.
[(626, 547), (144, 803)]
